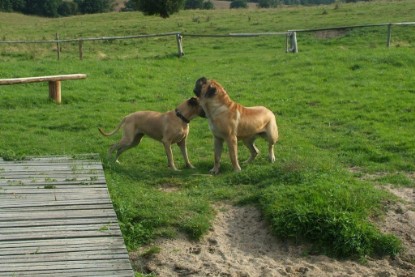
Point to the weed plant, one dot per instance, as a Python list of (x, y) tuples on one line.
[(342, 103)]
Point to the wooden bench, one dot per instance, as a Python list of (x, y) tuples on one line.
[(54, 83)]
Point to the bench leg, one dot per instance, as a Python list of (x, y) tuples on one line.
[(55, 91)]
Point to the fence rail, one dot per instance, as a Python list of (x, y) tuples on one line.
[(291, 37)]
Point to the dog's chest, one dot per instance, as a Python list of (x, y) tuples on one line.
[(212, 126), (179, 134)]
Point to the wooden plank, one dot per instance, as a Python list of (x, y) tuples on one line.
[(59, 250), (101, 227), (10, 203), (105, 264), (87, 243), (88, 206), (57, 219), (48, 223), (72, 273), (12, 81)]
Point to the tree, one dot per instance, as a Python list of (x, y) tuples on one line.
[(236, 4), (268, 3), (42, 7), (130, 5), (68, 8), (95, 6), (193, 4), (6, 5), (164, 8), (208, 5)]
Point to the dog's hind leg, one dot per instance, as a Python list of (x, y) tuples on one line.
[(249, 142), (272, 138), (126, 144)]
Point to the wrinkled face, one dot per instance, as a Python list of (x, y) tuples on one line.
[(204, 89)]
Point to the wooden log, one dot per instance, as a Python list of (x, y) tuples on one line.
[(55, 91), (12, 81)]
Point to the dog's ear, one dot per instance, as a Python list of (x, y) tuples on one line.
[(198, 86), (211, 91), (202, 80), (193, 102)]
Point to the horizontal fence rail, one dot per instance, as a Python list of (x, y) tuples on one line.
[(291, 37), (351, 27)]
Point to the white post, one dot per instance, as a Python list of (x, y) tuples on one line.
[(293, 42), (179, 39), (388, 40)]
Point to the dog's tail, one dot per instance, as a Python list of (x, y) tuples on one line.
[(112, 132)]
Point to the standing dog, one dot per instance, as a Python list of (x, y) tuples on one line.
[(230, 121), (168, 128)]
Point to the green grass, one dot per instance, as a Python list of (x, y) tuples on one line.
[(341, 103)]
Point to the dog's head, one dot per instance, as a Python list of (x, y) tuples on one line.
[(204, 88), (190, 109), (194, 102)]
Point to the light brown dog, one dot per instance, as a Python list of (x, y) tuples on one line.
[(230, 122), (168, 128)]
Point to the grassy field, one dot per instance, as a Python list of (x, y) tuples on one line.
[(344, 106)]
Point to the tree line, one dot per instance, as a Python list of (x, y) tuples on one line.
[(55, 8), (164, 8)]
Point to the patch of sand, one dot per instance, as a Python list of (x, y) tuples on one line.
[(240, 245)]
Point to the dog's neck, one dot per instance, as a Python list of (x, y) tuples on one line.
[(181, 116)]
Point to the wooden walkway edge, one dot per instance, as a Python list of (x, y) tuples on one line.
[(57, 219)]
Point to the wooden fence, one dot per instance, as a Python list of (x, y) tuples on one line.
[(291, 37)]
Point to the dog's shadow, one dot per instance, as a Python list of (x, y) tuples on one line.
[(151, 174)]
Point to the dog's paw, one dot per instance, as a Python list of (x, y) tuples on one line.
[(214, 171)]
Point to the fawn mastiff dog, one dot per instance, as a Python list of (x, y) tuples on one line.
[(168, 128), (230, 122)]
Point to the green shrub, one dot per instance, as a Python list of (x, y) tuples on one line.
[(237, 4), (332, 222)]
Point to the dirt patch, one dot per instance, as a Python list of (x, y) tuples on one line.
[(240, 244), (400, 221)]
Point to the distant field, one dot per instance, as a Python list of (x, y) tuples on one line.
[(217, 4), (344, 106)]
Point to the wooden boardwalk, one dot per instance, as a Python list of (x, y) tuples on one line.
[(56, 219)]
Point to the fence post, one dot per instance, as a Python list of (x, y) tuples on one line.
[(388, 40), (179, 39), (58, 47), (81, 54), (291, 39)]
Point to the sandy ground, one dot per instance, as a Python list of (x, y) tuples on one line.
[(239, 245)]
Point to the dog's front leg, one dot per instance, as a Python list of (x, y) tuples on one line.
[(183, 148), (218, 153), (169, 153), (232, 142)]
